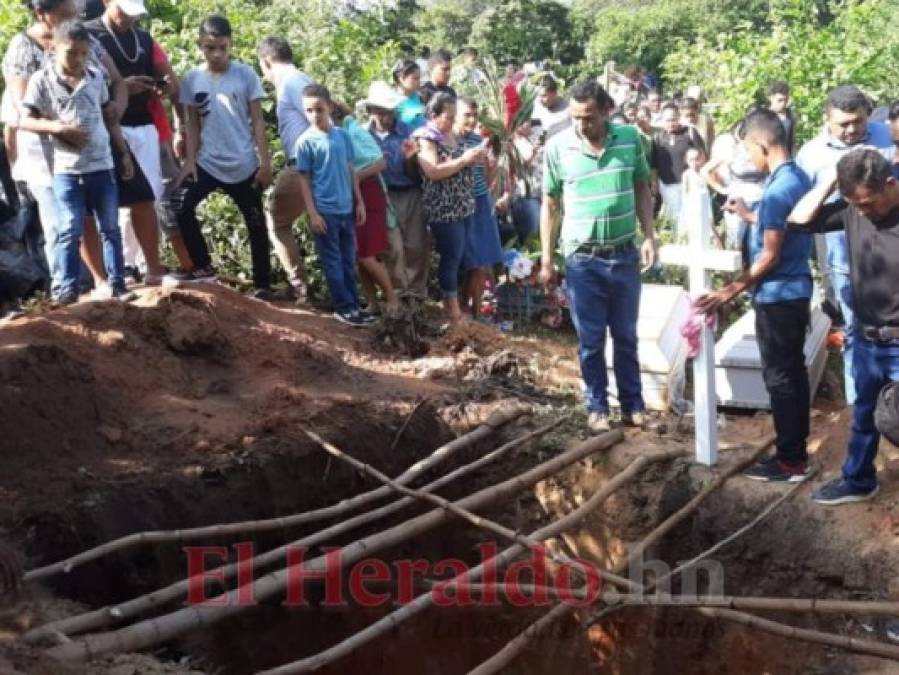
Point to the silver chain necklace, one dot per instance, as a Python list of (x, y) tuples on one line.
[(137, 47)]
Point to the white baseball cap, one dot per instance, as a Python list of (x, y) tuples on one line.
[(132, 7)]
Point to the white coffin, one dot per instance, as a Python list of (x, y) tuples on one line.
[(738, 366), (663, 310)]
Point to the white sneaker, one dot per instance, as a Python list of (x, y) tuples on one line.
[(599, 423)]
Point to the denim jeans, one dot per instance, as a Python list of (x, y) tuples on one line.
[(525, 218), (47, 212), (449, 238), (780, 329), (874, 365), (842, 288), (604, 293), (94, 194), (337, 254)]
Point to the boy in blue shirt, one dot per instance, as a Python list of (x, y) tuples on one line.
[(781, 280), (330, 186)]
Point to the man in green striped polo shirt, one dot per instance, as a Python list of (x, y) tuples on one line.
[(595, 175)]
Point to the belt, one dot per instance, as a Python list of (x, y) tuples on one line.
[(601, 251), (880, 333)]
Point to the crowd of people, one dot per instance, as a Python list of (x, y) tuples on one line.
[(93, 149)]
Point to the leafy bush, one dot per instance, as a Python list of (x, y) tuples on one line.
[(853, 44)]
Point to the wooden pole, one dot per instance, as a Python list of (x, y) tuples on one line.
[(426, 600), (513, 649), (464, 514), (151, 632), (496, 421), (106, 616)]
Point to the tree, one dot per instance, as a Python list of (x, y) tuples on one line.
[(854, 44), (525, 30), (644, 32)]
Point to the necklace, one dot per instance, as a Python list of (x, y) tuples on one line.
[(137, 49)]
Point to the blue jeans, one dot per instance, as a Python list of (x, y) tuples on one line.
[(874, 365), (604, 293), (526, 218), (47, 212), (94, 194), (337, 252), (842, 288), (450, 238)]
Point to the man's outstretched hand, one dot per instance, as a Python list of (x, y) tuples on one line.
[(711, 302), (11, 571)]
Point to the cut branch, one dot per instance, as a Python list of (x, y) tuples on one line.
[(464, 514), (423, 602), (517, 645), (847, 642), (107, 616), (156, 631), (495, 422)]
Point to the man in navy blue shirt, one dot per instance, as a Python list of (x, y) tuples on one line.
[(781, 281), (410, 247)]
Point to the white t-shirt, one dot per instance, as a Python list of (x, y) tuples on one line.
[(552, 121)]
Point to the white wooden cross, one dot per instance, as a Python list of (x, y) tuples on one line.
[(701, 260)]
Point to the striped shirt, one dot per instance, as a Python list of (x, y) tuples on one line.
[(473, 140), (597, 190)]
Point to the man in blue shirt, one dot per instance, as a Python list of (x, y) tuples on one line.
[(410, 246), (286, 205), (781, 281), (846, 126)]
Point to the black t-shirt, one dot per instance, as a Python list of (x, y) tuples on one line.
[(428, 89), (669, 153), (132, 52), (873, 260)]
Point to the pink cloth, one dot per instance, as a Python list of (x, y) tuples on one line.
[(692, 329)]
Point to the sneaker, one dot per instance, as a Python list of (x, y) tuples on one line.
[(269, 295), (154, 279), (133, 273), (66, 298), (599, 422), (204, 274), (366, 317), (350, 319), (121, 293), (838, 491), (176, 278), (773, 470), (633, 419)]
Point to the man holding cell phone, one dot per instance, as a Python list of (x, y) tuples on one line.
[(135, 53)]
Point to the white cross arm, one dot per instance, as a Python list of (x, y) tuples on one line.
[(709, 259)]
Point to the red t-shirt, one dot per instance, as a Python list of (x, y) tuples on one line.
[(157, 110)]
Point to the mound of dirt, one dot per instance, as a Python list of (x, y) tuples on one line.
[(106, 391)]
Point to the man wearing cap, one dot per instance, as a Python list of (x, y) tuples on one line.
[(410, 246), (286, 205), (132, 49)]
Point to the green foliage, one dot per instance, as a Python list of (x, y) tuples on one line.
[(447, 24), (644, 32), (856, 46), (525, 30)]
